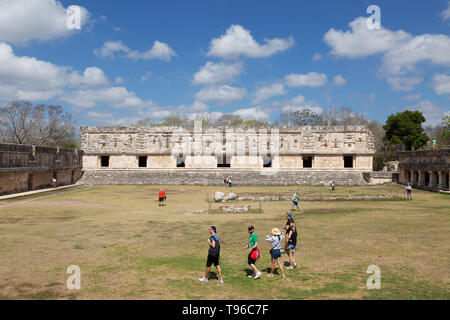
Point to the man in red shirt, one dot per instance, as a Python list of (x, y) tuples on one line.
[(162, 197)]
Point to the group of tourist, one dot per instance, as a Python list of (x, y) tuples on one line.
[(288, 241)]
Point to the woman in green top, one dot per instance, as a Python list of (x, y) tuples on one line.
[(252, 245)]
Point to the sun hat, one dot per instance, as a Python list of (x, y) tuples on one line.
[(289, 214), (275, 232)]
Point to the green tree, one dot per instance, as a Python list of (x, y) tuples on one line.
[(405, 129)]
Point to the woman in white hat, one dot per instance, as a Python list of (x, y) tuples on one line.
[(276, 238)]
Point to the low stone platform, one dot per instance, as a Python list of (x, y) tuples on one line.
[(215, 177)]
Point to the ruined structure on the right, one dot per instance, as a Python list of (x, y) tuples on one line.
[(427, 169)]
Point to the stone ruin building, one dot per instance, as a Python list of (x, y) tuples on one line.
[(252, 156), (426, 169)]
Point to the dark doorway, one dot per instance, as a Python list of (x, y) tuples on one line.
[(105, 161), (307, 162), (223, 162), (72, 179), (30, 182), (143, 162), (181, 162), (348, 162), (427, 179), (267, 162)]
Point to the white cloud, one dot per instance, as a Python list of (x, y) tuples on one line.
[(431, 111), (217, 73), (118, 97), (221, 94), (23, 20), (266, 92), (238, 41), (146, 76), (110, 48), (312, 79), (446, 13), (404, 84), (441, 84), (432, 48), (119, 80), (410, 97), (339, 81), (317, 57), (401, 50), (361, 41), (251, 114), (159, 50)]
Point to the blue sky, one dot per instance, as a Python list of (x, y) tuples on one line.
[(148, 59)]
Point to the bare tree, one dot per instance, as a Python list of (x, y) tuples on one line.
[(23, 123), (301, 118)]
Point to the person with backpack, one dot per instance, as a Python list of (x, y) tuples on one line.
[(213, 255), (276, 238), (254, 253), (292, 244)]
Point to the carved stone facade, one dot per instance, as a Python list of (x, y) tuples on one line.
[(261, 151), (427, 169)]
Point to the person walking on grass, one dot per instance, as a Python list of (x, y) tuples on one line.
[(230, 182), (254, 252), (409, 192), (292, 244), (333, 187), (294, 201), (162, 197), (213, 255), (276, 238)]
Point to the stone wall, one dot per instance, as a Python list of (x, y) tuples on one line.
[(25, 168), (427, 169), (215, 177)]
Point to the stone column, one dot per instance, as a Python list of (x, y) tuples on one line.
[(441, 184), (433, 180), (421, 181)]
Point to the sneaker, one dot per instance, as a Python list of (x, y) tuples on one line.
[(258, 274), (203, 279), (220, 281), (290, 268), (270, 275), (295, 266)]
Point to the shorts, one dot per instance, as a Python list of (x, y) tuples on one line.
[(275, 253), (295, 203), (162, 199), (408, 191), (250, 260), (212, 260), (291, 247)]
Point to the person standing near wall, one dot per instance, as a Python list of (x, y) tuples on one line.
[(294, 201), (213, 255), (409, 192), (254, 253)]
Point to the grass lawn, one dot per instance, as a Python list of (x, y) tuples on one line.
[(129, 248)]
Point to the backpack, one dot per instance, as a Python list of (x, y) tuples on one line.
[(255, 254)]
